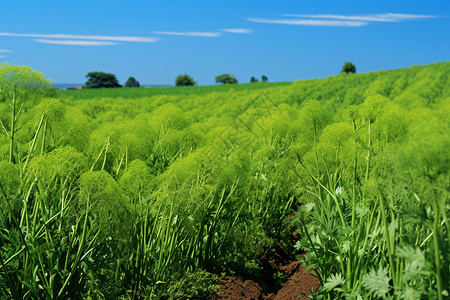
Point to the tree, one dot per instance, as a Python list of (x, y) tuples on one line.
[(183, 80), (226, 78), (101, 80), (348, 68), (264, 78), (132, 82), (253, 79), (20, 88)]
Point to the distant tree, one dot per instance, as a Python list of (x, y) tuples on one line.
[(132, 82), (183, 80), (348, 68), (226, 78), (264, 78), (101, 80), (253, 79)]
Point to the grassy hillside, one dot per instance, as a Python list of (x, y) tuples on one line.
[(418, 86), (124, 192), (156, 91)]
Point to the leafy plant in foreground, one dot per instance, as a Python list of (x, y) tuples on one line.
[(20, 88)]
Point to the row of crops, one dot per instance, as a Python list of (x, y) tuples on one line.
[(124, 193)]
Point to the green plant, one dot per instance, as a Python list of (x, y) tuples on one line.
[(20, 87), (197, 285), (45, 248), (362, 235), (123, 193)]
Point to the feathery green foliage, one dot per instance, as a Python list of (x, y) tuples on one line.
[(131, 193)]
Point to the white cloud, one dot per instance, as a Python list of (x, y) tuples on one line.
[(389, 17), (84, 37), (304, 22), (404, 16), (2, 56), (5, 51), (75, 42), (372, 18), (238, 30), (199, 34)]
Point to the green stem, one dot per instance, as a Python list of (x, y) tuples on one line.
[(369, 152), (315, 252), (387, 238), (336, 201), (106, 153), (437, 255), (33, 142), (368, 229), (43, 138), (13, 128)]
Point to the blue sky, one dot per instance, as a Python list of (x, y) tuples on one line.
[(286, 40)]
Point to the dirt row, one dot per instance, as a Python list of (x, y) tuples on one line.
[(298, 284)]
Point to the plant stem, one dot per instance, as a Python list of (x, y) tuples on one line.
[(437, 257), (13, 128)]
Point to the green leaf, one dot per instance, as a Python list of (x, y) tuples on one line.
[(335, 280), (377, 282)]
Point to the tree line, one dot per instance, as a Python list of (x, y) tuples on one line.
[(108, 80)]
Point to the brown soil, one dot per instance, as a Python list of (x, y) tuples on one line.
[(277, 258), (298, 285), (237, 288)]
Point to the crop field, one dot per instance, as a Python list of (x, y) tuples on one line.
[(150, 193)]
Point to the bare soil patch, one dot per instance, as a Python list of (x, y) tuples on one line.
[(298, 285)]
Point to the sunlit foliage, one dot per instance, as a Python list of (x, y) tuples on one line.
[(119, 193)]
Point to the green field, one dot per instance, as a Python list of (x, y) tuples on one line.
[(123, 193)]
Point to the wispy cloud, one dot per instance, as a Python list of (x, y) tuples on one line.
[(75, 42), (237, 30), (389, 17), (199, 34), (405, 16), (84, 37), (307, 22), (4, 51)]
